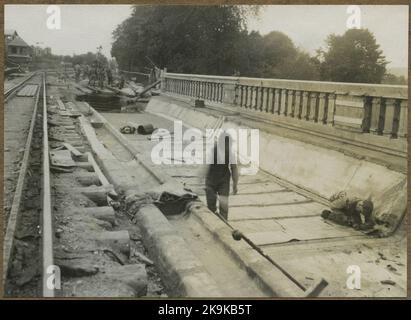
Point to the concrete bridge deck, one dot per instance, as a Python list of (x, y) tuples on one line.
[(312, 145), (287, 225)]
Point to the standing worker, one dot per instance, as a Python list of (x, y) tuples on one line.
[(218, 176), (77, 70), (109, 76)]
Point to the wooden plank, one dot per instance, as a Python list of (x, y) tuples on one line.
[(61, 158), (72, 149), (310, 228), (60, 105), (275, 212), (260, 200)]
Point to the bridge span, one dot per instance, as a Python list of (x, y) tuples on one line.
[(315, 139)]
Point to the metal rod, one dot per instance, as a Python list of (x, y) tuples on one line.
[(47, 222)]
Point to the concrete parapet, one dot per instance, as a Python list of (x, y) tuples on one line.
[(349, 106)]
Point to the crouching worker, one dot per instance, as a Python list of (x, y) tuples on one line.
[(354, 213)]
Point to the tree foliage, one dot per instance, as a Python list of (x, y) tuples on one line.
[(354, 56), (196, 39), (215, 40)]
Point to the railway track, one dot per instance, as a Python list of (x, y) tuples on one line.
[(62, 228), (8, 93), (22, 109)]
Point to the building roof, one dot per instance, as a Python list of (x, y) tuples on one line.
[(17, 42), (10, 32)]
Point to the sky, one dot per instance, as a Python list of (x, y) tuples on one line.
[(85, 27)]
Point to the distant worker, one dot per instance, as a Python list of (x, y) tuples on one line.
[(77, 70), (109, 76), (121, 82), (101, 76), (92, 78), (223, 167), (354, 213)]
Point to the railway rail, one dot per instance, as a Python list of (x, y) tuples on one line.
[(13, 218)]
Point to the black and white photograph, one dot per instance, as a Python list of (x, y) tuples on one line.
[(205, 151)]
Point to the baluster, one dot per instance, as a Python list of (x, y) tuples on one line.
[(246, 97), (267, 99), (290, 103), (277, 101), (255, 98), (313, 107), (205, 90), (321, 107), (283, 106), (390, 105), (376, 110), (305, 106), (256, 90), (403, 120), (251, 97), (297, 105), (330, 108), (272, 100), (240, 89)]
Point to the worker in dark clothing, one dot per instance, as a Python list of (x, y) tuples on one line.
[(109, 76), (121, 82), (219, 174), (350, 213)]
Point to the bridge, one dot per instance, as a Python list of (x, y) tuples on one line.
[(315, 139)]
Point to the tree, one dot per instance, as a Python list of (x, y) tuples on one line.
[(390, 78), (353, 57), (187, 39)]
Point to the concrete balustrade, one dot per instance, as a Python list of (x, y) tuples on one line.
[(361, 108)]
